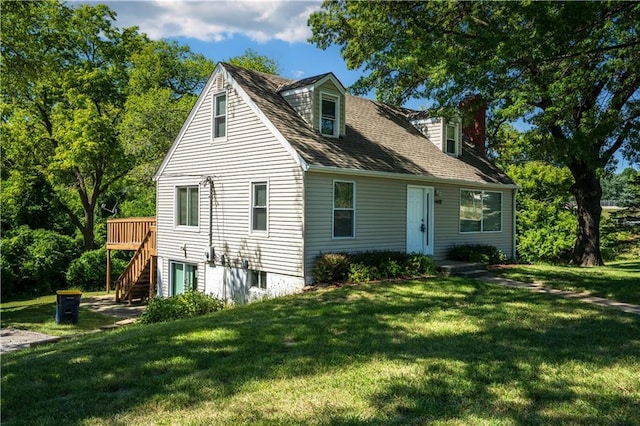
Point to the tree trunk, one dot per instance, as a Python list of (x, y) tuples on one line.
[(87, 230), (588, 192)]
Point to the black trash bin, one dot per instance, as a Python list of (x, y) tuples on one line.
[(67, 306)]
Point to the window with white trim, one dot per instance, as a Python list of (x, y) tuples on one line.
[(220, 115), (257, 279), (451, 138), (344, 210), (259, 213), (187, 206), (480, 211), (184, 277), (329, 113)]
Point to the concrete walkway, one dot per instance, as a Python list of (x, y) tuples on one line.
[(12, 339), (583, 297)]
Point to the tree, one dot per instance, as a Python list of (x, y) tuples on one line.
[(64, 77), (252, 60), (568, 69)]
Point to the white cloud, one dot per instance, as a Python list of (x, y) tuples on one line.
[(261, 21)]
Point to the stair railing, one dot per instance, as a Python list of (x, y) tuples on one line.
[(142, 257)]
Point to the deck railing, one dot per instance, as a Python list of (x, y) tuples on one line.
[(128, 233)]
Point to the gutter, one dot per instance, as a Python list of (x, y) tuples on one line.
[(402, 176)]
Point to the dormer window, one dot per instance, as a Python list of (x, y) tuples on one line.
[(329, 105), (451, 142), (220, 115)]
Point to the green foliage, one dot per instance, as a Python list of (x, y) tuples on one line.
[(35, 262), (487, 254), (567, 69), (185, 305), (89, 271), (252, 60), (331, 268), (545, 221), (373, 265), (623, 187)]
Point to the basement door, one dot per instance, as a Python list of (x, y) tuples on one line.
[(420, 219)]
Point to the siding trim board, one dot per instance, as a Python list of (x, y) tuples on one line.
[(400, 176)]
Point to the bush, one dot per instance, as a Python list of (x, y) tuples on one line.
[(477, 253), (34, 262), (367, 266), (89, 271), (186, 305), (331, 268)]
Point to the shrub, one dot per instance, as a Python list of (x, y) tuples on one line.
[(331, 268), (34, 262), (186, 305), (360, 273), (477, 253), (89, 271), (373, 265)]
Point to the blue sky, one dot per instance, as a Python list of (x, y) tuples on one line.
[(224, 29)]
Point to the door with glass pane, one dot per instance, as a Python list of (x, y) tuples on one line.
[(183, 277)]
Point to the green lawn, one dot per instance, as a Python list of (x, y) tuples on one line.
[(619, 280), (442, 351), (39, 315)]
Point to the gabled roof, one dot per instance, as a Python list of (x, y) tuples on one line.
[(379, 138)]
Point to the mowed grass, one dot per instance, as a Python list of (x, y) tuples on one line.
[(618, 280), (436, 351), (39, 315)]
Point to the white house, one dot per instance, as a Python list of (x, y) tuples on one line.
[(267, 173)]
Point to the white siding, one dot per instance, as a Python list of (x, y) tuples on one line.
[(249, 153), (302, 102), (381, 217)]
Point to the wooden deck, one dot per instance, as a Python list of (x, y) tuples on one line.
[(137, 234), (128, 233)]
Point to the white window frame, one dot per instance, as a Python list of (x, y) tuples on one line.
[(252, 186), (257, 279), (481, 231), (334, 209), (177, 207), (336, 125), (456, 138), (215, 115), (172, 264)]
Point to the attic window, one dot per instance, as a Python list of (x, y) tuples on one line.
[(329, 106), (451, 139), (220, 115)]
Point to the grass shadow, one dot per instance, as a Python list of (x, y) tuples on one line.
[(414, 352)]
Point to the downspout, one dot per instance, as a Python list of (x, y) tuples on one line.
[(515, 193)]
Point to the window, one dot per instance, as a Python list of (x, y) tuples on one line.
[(183, 278), (480, 211), (259, 206), (343, 209), (220, 115), (257, 279), (329, 115), (451, 143), (187, 206)]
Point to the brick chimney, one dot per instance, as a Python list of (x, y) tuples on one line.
[(474, 113)]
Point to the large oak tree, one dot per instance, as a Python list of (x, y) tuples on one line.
[(570, 70)]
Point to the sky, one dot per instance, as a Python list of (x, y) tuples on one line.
[(223, 29)]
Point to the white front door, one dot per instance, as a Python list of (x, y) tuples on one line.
[(420, 219)]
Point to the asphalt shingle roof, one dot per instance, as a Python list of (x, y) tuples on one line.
[(378, 137)]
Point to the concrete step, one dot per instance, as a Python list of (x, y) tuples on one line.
[(465, 269)]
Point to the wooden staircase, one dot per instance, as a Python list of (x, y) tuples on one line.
[(138, 281)]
